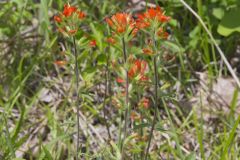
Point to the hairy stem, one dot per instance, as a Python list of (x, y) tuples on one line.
[(126, 115), (155, 97), (78, 100), (105, 98)]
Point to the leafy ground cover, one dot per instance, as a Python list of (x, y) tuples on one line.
[(130, 79)]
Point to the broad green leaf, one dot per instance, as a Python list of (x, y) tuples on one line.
[(173, 22), (218, 13), (230, 23)]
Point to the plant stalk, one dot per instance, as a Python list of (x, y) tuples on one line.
[(78, 100), (105, 98), (155, 97), (126, 116)]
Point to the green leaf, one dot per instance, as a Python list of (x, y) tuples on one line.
[(172, 46), (89, 73), (98, 35), (102, 59), (191, 156), (173, 22), (230, 23), (230, 139), (218, 13), (48, 155), (165, 86)]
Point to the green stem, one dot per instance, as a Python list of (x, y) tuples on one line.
[(105, 98), (127, 96), (155, 97), (8, 137), (78, 100)]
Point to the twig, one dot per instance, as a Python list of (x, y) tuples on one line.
[(214, 42)]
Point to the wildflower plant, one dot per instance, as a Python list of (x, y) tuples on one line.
[(123, 28), (68, 22), (153, 21), (132, 69), (120, 94)]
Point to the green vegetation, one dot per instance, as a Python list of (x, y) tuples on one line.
[(182, 100)]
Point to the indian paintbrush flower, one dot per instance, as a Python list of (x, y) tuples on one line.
[(153, 18), (68, 23), (122, 24), (137, 71), (68, 20)]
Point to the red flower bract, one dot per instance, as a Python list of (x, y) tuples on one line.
[(162, 34), (72, 31), (66, 22), (153, 14), (120, 22), (147, 51), (68, 10), (57, 19), (60, 63), (145, 103), (120, 80), (135, 116), (93, 43), (81, 14), (138, 68), (111, 40)]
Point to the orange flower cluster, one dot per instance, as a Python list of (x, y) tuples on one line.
[(151, 15), (69, 10), (68, 14), (138, 69), (121, 23)]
